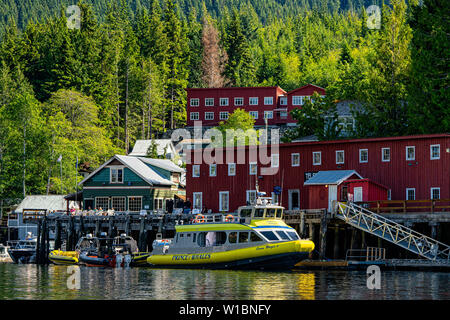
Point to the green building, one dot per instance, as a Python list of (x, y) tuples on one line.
[(132, 184)]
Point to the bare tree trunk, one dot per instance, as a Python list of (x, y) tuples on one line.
[(126, 111)]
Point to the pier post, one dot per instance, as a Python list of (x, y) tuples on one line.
[(336, 242), (42, 243), (311, 236), (47, 242), (323, 236), (141, 243), (363, 239), (97, 227), (38, 241), (302, 224), (353, 239), (110, 227), (58, 235), (434, 227)]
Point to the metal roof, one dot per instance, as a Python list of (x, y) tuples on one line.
[(141, 147), (43, 202), (330, 177)]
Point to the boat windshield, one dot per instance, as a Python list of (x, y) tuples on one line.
[(245, 213), (259, 213), (270, 213)]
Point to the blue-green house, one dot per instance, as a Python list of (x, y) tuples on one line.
[(132, 184)]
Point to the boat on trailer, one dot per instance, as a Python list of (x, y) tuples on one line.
[(255, 238)]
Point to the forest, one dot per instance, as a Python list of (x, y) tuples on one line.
[(72, 96)]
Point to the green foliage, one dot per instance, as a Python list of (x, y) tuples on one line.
[(237, 130)]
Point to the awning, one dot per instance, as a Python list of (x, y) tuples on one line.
[(182, 197), (331, 177)]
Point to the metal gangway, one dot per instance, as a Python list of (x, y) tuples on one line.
[(394, 232)]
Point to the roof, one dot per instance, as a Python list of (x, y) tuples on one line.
[(303, 87), (139, 166), (345, 107), (331, 177), (231, 88), (141, 147), (43, 202)]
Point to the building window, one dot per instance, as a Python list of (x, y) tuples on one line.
[(275, 160), (223, 115), (118, 203), (209, 102), (116, 175), (195, 102), (385, 154), (389, 194), (268, 114), (435, 193), (197, 198), (102, 202), (410, 153), (297, 100), (268, 101), (251, 197), (254, 114), (435, 151), (363, 155), (209, 115), (275, 198), (283, 101), (196, 170), (346, 123), (224, 201), (340, 157), (158, 204), (194, 116), (317, 158), (253, 101), (253, 168), (134, 204), (232, 169), (212, 170), (238, 101), (410, 194), (295, 159), (223, 102)]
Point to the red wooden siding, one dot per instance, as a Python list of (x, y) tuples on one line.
[(397, 174)]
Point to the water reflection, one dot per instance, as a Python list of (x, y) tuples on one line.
[(50, 282)]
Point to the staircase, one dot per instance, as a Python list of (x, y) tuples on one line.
[(391, 231)]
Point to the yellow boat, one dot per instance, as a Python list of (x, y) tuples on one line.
[(257, 238), (60, 257)]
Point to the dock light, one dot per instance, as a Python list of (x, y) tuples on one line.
[(326, 186), (103, 234), (89, 236), (123, 234)]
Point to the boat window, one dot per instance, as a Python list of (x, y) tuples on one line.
[(279, 213), (188, 234), (254, 237), (193, 237), (201, 239), (293, 235), (243, 237), (245, 213), (269, 235), (232, 237), (209, 239), (259, 213), (181, 235), (271, 213), (282, 235)]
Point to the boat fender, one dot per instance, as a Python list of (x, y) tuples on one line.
[(229, 218), (127, 260), (119, 260)]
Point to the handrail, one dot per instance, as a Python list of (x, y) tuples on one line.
[(406, 206)]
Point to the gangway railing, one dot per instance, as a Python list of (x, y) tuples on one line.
[(393, 232), (367, 254)]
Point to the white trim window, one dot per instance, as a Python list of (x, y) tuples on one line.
[(194, 116), (194, 102), (435, 193), (118, 203), (275, 160), (297, 100), (231, 169), (224, 201), (317, 158), (340, 156), (410, 153), (197, 200), (223, 102), (196, 171), (253, 101), (385, 154), (223, 115), (102, 202), (212, 170), (250, 196), (253, 168), (435, 151), (116, 175), (158, 204), (254, 114), (295, 159), (410, 193), (134, 204), (209, 115), (363, 155), (268, 114), (239, 101), (268, 101), (283, 101), (209, 102)]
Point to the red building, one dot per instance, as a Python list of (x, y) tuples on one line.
[(212, 105), (397, 168)]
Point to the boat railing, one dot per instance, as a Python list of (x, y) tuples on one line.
[(214, 218)]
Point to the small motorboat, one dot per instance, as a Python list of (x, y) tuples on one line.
[(23, 251), (60, 257), (4, 256)]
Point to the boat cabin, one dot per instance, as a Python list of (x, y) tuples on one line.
[(263, 209)]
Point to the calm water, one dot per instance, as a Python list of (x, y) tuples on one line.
[(50, 282)]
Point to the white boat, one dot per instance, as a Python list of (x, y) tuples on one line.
[(4, 256)]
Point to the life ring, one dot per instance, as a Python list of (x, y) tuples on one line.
[(229, 218), (199, 218)]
